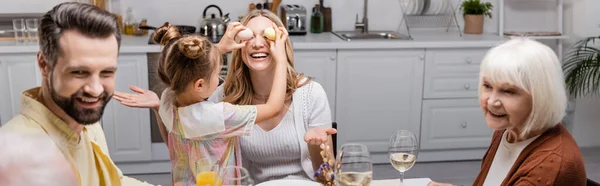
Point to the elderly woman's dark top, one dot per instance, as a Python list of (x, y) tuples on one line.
[(551, 159)]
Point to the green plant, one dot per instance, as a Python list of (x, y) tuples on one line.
[(477, 7), (582, 68)]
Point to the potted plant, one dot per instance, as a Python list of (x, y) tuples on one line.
[(582, 68), (473, 13)]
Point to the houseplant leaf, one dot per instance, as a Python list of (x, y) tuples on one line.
[(582, 68)]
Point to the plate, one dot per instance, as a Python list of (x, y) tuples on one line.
[(433, 7), (289, 183)]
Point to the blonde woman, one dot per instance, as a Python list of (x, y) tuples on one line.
[(280, 147), (522, 96), (276, 149)]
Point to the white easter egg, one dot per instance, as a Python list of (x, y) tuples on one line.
[(245, 34)]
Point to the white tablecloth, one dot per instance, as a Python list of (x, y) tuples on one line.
[(396, 182)]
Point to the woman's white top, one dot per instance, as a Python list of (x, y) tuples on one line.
[(282, 153)]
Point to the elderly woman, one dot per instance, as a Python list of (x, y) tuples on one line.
[(276, 148), (522, 96)]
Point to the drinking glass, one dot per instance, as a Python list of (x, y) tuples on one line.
[(403, 151), (32, 29), (353, 166), (236, 176), (19, 28), (207, 173)]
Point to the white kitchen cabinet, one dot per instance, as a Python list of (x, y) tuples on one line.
[(18, 72), (453, 124), (128, 129), (321, 66), (378, 92), (452, 73)]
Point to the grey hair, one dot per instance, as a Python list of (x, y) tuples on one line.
[(87, 19), (27, 159), (534, 68)]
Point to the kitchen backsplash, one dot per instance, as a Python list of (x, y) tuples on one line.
[(521, 15)]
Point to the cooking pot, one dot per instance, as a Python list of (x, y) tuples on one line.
[(214, 27)]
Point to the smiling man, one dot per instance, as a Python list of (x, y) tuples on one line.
[(79, 47)]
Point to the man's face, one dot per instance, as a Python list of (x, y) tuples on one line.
[(83, 79)]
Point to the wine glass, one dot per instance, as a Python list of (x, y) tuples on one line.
[(403, 150), (236, 176), (353, 166)]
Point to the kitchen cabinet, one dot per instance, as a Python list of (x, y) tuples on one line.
[(128, 129), (321, 66), (453, 126), (378, 92), (18, 72)]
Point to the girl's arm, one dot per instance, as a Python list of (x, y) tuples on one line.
[(277, 96), (144, 99)]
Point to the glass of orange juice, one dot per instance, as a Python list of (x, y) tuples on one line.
[(207, 174)]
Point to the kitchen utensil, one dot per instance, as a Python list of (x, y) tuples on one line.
[(183, 29), (266, 5), (251, 7), (32, 29), (236, 176), (353, 165), (214, 27), (326, 11), (275, 5), (403, 150), (19, 28), (294, 18)]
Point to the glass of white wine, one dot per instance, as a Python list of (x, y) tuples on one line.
[(353, 166), (403, 150)]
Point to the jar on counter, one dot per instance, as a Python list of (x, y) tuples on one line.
[(317, 20), (130, 23)]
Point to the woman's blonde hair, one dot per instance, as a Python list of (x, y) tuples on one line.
[(238, 87), (184, 59), (534, 68)]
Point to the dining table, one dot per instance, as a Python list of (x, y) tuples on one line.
[(396, 182)]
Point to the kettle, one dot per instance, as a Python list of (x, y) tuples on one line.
[(214, 27)]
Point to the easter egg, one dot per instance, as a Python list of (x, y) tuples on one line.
[(245, 34), (269, 33)]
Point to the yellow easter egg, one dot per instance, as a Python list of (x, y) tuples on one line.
[(269, 33)]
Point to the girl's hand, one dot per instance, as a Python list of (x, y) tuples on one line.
[(227, 42), (144, 98), (277, 47), (318, 135)]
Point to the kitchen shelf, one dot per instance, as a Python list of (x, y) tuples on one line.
[(559, 29), (543, 37)]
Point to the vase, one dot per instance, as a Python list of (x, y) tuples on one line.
[(473, 24)]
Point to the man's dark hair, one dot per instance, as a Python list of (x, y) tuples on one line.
[(87, 19)]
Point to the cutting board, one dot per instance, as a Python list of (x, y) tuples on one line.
[(327, 16)]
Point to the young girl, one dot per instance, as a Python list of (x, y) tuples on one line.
[(202, 133)]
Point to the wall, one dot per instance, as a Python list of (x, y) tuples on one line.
[(582, 20), (26, 6)]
